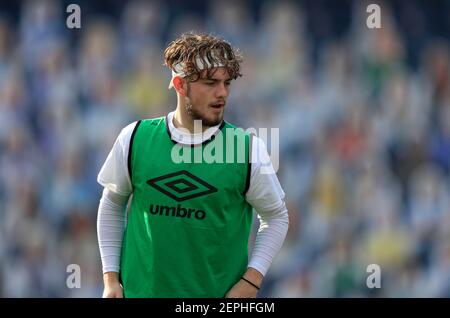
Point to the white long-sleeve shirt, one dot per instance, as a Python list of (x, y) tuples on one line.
[(264, 194)]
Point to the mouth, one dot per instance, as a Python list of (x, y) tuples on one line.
[(218, 106)]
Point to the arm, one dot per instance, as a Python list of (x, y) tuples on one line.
[(269, 239), (115, 179), (267, 197), (110, 229)]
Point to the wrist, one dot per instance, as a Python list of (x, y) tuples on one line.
[(110, 278), (253, 276)]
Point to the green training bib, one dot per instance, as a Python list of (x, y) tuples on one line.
[(189, 223)]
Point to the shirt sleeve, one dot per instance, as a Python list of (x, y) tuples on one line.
[(267, 198), (111, 222), (114, 173)]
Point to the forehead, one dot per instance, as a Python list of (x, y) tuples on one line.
[(218, 73)]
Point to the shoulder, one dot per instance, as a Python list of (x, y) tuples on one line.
[(126, 132), (258, 143)]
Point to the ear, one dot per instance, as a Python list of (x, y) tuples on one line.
[(179, 85)]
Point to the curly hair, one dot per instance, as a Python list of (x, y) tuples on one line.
[(190, 47)]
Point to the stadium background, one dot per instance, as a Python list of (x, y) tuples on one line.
[(364, 118)]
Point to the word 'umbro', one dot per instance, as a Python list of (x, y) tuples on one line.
[(178, 211)]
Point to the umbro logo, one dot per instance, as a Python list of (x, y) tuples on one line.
[(181, 186)]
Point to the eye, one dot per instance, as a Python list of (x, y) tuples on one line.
[(210, 83), (227, 84)]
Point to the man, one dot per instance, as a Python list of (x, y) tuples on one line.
[(189, 221)]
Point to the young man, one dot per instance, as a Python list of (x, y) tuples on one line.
[(189, 221)]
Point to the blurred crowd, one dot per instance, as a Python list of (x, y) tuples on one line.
[(363, 115)]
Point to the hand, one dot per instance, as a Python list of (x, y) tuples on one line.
[(113, 289)]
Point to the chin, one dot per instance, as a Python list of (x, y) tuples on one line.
[(212, 119), (216, 121), (208, 120)]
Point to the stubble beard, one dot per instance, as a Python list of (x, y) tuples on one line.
[(197, 115)]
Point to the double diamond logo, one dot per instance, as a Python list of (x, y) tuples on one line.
[(181, 186)]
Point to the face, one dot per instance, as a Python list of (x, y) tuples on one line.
[(206, 97)]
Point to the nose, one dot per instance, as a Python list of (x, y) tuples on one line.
[(221, 91)]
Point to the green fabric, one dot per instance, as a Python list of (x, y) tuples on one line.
[(178, 242)]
